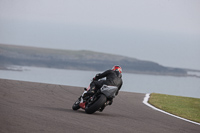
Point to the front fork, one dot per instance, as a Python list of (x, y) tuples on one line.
[(87, 99), (83, 101)]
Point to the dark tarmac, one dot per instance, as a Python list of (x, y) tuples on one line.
[(27, 107)]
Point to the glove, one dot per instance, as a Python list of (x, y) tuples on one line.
[(94, 79), (110, 101)]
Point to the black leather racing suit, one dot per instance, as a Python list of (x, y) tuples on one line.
[(113, 78)]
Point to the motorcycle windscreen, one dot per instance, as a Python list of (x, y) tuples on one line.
[(109, 91)]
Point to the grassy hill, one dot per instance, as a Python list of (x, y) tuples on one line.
[(82, 60)]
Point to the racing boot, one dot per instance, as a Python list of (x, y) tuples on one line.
[(102, 107), (110, 101), (90, 92), (92, 89)]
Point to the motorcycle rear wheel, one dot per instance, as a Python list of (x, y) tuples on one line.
[(91, 108)]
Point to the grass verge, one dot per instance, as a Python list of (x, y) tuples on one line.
[(185, 107)]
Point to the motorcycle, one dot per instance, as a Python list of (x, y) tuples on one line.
[(95, 101)]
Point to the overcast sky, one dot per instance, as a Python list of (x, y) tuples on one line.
[(164, 31)]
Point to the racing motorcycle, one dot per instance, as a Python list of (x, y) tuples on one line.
[(92, 102)]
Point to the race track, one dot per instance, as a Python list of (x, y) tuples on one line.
[(27, 107)]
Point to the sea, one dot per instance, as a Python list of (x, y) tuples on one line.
[(138, 83)]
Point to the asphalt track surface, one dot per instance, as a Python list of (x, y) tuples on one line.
[(27, 107)]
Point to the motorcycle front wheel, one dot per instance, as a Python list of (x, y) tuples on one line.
[(99, 102), (76, 105)]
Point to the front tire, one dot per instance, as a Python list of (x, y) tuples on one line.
[(76, 105), (91, 108)]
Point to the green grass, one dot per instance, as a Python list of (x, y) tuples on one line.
[(185, 107)]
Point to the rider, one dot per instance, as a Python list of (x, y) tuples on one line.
[(113, 78)]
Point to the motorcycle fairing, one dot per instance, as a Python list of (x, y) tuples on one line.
[(109, 91)]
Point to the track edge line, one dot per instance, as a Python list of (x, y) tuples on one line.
[(145, 101)]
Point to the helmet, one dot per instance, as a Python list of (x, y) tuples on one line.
[(117, 68)]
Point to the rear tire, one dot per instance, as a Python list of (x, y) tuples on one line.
[(91, 108)]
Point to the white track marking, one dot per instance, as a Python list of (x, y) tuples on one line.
[(145, 101)]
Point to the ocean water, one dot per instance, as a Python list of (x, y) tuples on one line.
[(180, 86)]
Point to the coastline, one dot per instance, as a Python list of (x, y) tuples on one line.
[(20, 68)]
